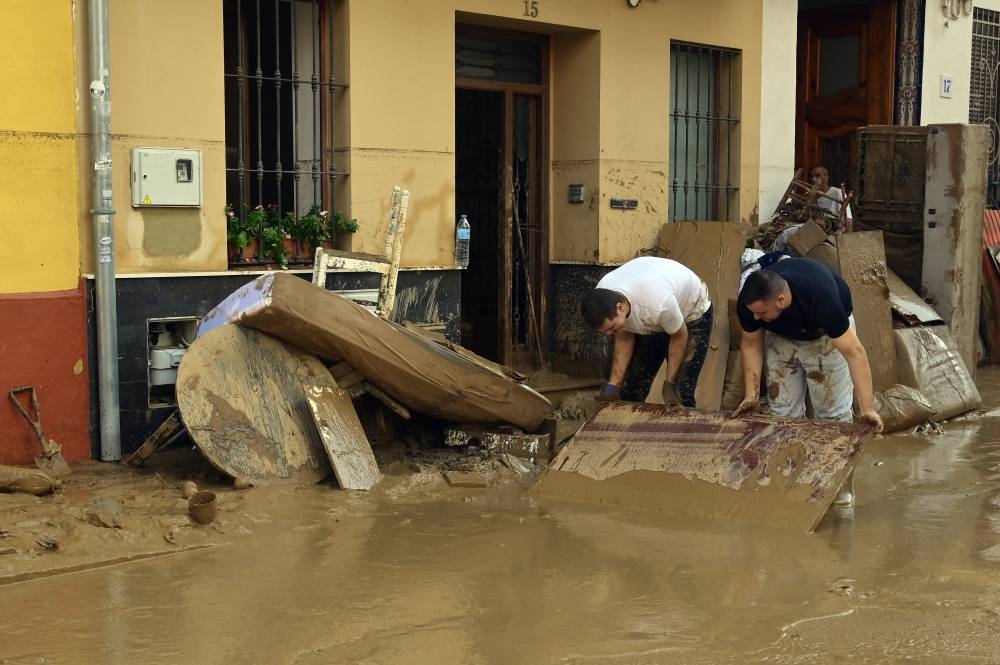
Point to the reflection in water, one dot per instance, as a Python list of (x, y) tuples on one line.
[(464, 576)]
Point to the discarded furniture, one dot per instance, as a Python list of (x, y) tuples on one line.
[(242, 396), (420, 374), (924, 188), (386, 265), (764, 470), (163, 436)]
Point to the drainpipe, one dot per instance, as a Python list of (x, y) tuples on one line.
[(104, 237)]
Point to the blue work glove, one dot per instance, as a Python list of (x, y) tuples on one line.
[(610, 392)]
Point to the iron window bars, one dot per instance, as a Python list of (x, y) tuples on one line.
[(983, 107), (279, 87), (704, 131)]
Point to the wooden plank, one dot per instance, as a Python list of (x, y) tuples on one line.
[(764, 470), (164, 434), (343, 438), (861, 258), (712, 250), (807, 237), (242, 398)]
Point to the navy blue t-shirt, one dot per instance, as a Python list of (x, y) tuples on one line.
[(821, 303)]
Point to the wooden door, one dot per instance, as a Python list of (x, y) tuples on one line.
[(845, 81)]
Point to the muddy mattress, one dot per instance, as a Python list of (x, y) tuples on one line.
[(421, 374)]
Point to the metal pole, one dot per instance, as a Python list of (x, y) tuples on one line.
[(104, 237)]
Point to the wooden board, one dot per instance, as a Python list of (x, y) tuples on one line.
[(807, 238), (764, 470), (907, 305), (415, 371), (345, 442), (712, 250), (862, 265), (242, 397)]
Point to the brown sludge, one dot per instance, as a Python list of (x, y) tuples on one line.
[(416, 571)]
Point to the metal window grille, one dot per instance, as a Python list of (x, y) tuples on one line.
[(983, 96), (704, 132), (279, 87)]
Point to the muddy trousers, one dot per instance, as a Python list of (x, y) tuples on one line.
[(795, 367), (651, 351)]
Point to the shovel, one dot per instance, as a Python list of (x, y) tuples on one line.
[(51, 461)]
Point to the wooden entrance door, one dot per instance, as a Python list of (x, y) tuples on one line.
[(845, 81)]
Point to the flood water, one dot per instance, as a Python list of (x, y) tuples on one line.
[(911, 574)]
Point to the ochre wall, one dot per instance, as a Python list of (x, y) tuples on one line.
[(609, 114), (42, 308), (166, 92), (608, 118)]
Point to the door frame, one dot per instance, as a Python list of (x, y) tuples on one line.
[(540, 260)]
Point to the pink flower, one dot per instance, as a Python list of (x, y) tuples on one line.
[(259, 207), (232, 214)]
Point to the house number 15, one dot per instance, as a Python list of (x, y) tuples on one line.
[(531, 8)]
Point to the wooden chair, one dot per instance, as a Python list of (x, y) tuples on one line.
[(386, 265)]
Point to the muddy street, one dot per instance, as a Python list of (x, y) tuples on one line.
[(417, 571)]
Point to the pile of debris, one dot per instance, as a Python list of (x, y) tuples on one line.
[(267, 390), (801, 203), (920, 371)]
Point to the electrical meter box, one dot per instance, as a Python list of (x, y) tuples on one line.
[(166, 177)]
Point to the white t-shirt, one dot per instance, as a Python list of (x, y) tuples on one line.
[(662, 294), (835, 205)]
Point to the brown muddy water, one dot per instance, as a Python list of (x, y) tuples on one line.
[(417, 572)]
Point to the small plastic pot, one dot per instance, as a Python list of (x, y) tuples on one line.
[(202, 508)]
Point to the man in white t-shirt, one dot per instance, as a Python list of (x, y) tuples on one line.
[(655, 309)]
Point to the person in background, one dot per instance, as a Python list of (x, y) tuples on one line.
[(665, 306), (834, 199)]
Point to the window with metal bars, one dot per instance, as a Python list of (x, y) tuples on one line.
[(983, 109), (704, 132), (279, 89)]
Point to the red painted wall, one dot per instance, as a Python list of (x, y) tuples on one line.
[(43, 343)]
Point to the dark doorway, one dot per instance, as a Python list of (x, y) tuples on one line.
[(499, 116), (845, 80), (478, 167)]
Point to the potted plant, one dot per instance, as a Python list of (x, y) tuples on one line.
[(344, 229), (311, 229), (272, 234), (241, 233)]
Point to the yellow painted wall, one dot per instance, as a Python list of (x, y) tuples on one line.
[(166, 92), (609, 124), (38, 192)]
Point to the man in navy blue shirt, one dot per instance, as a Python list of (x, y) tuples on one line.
[(806, 310)]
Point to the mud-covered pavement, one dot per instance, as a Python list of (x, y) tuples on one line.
[(420, 572)]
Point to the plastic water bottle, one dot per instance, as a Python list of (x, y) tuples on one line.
[(462, 236)]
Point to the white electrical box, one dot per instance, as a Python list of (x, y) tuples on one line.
[(166, 177)]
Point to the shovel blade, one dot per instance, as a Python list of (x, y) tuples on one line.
[(55, 465)]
